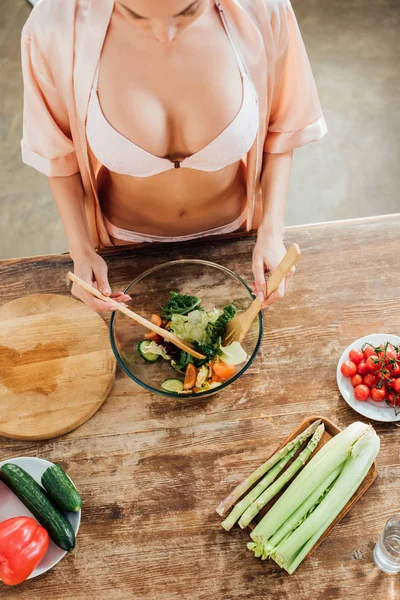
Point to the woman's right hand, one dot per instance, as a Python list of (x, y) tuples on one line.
[(92, 268)]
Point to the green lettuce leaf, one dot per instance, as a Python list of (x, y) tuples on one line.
[(154, 348)]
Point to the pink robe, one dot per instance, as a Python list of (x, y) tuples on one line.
[(61, 45)]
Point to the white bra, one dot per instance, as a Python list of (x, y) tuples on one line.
[(120, 155)]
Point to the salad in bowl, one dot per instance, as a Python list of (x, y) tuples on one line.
[(184, 316), (204, 299)]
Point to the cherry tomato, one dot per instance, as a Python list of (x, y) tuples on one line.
[(356, 355), (361, 392), (395, 371), (362, 368), (348, 368), (392, 399), (391, 354), (368, 350), (370, 380), (356, 380), (387, 380), (373, 363), (378, 394), (396, 386)]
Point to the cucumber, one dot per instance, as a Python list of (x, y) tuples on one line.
[(172, 385), (33, 496), (60, 489), (149, 357)]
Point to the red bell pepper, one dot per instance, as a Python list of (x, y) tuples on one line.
[(23, 544)]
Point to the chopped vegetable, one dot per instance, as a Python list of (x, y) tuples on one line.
[(287, 475), (245, 485), (156, 320), (181, 364), (191, 327), (172, 385), (215, 332), (223, 370), (179, 304), (190, 377), (233, 354), (150, 351), (152, 335), (202, 376)]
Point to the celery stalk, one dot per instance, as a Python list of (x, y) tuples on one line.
[(330, 457), (247, 483), (299, 515), (287, 475), (294, 548), (258, 490)]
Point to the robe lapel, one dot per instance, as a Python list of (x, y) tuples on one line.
[(251, 46), (94, 31), (95, 21)]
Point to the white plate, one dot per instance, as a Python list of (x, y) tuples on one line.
[(11, 507), (378, 411)]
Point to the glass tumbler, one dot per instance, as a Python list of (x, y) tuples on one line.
[(387, 548)]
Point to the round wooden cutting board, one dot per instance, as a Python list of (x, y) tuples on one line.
[(56, 366)]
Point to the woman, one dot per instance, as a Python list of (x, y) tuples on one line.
[(160, 120)]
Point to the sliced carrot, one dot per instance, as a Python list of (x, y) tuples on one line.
[(190, 377), (216, 378), (156, 320), (223, 370), (152, 335)]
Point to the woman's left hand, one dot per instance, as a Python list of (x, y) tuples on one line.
[(267, 254)]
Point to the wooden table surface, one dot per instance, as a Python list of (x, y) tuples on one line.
[(152, 470)]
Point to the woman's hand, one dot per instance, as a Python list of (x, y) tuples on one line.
[(268, 253), (92, 268)]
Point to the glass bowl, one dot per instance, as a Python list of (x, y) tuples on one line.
[(214, 284)]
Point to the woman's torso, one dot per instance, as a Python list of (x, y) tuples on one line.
[(171, 101)]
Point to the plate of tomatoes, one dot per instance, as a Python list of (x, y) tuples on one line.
[(368, 376)]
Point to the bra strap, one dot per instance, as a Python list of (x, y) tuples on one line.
[(236, 51), (96, 77)]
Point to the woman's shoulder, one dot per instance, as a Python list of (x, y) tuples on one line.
[(50, 17), (260, 8)]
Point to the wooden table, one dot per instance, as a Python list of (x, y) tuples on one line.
[(152, 470)]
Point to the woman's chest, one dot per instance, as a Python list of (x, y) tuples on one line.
[(173, 101)]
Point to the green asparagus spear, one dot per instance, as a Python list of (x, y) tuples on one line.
[(247, 483), (258, 490), (273, 489)]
